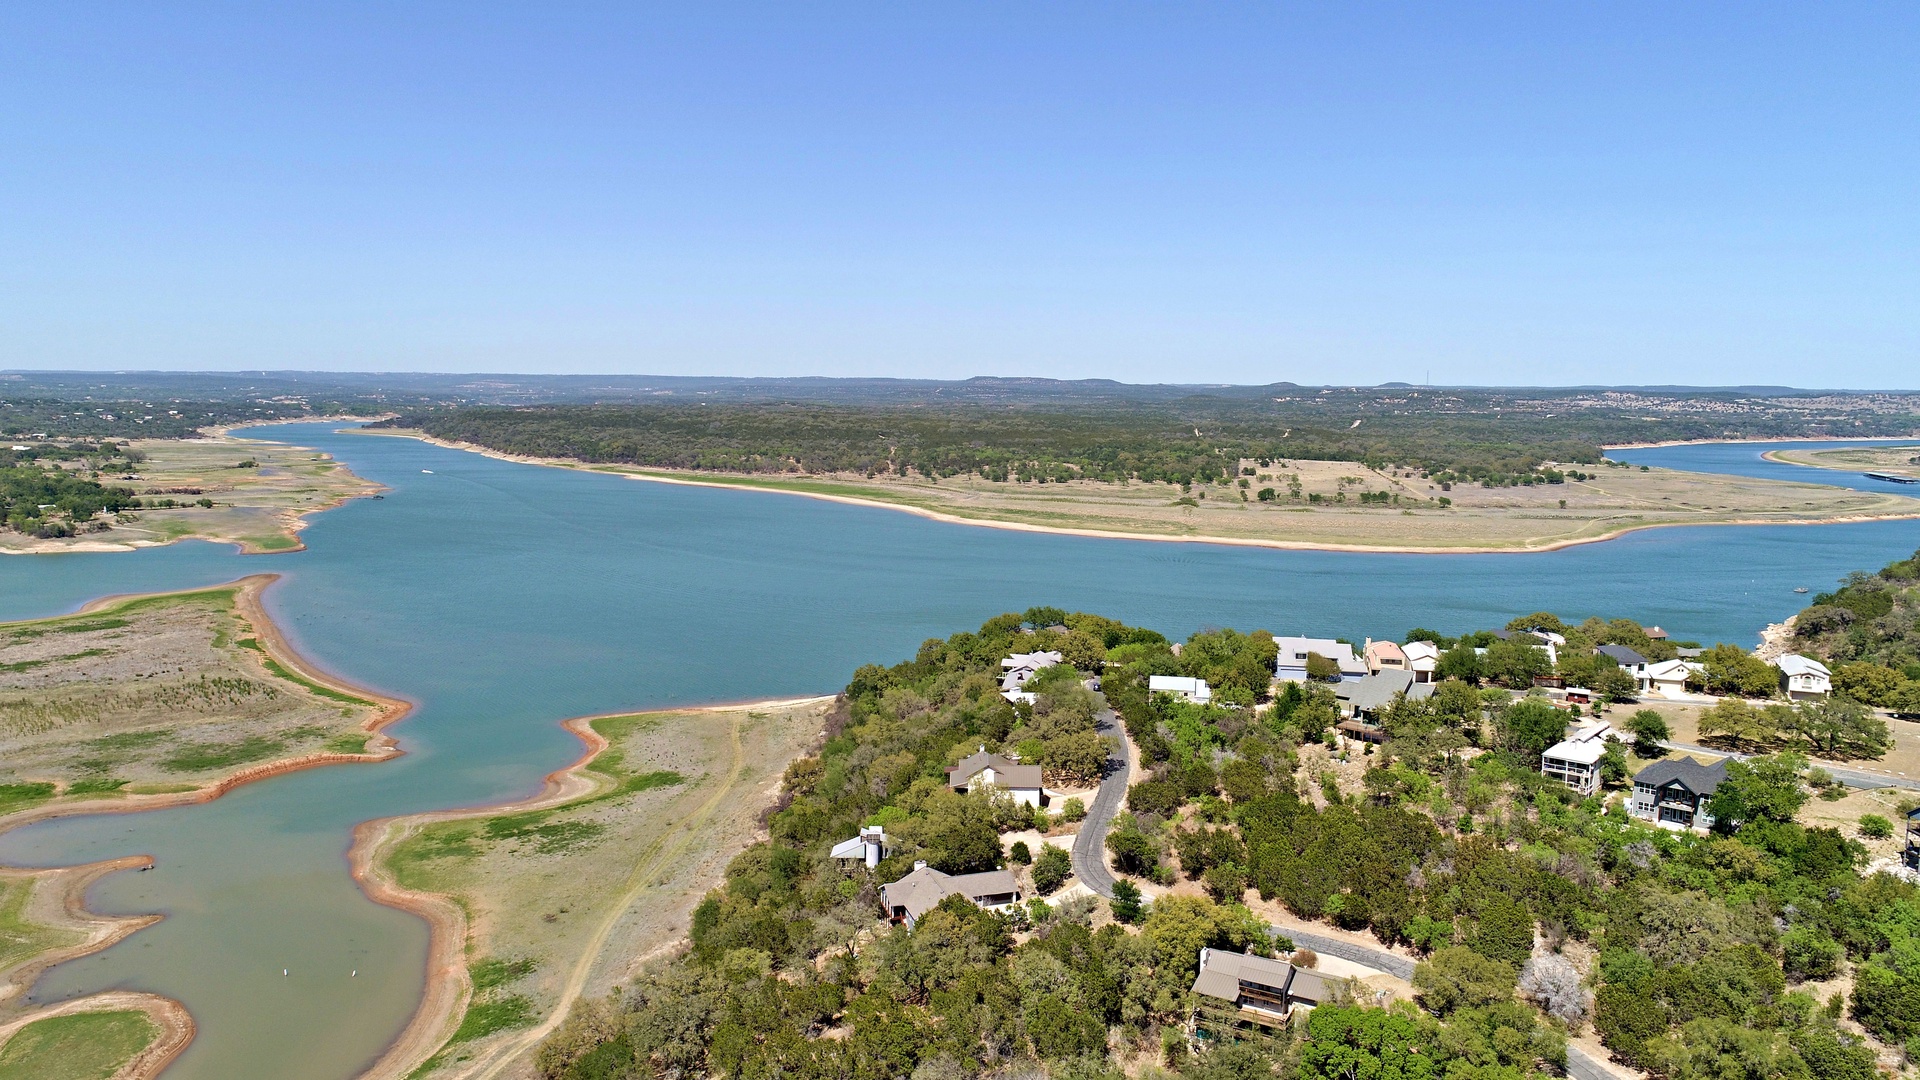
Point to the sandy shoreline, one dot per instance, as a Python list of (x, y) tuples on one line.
[(73, 882), (688, 480), (449, 987), (292, 522)]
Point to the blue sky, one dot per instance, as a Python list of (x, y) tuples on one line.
[(1468, 193)]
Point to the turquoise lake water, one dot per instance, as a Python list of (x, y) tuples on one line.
[(503, 597)]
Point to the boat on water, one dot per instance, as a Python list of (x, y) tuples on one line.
[(1893, 478), (1801, 589)]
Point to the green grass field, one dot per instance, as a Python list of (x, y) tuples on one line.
[(81, 1046), (20, 939)]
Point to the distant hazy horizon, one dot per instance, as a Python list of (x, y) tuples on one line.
[(1506, 194)]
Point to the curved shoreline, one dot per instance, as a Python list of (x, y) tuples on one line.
[(449, 988), (1111, 534), (104, 931), (291, 521)]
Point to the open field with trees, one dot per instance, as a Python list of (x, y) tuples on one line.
[(78, 495), (571, 895), (1318, 503)]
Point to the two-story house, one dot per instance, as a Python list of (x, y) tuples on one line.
[(1673, 794)]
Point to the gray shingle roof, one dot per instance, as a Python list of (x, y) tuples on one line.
[(1376, 691), (1697, 778), (1626, 656), (1007, 773)]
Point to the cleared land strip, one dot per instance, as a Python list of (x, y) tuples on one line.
[(536, 904)]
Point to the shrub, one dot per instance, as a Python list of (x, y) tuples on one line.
[(1019, 854), (1875, 827), (1051, 868)]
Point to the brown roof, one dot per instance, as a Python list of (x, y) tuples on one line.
[(1007, 773), (922, 890), (1222, 973)]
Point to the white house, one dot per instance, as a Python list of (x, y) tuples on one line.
[(1630, 662), (1668, 678), (1423, 659), (1195, 690), (982, 769), (1015, 670), (1575, 760), (1291, 663), (916, 894), (869, 847), (1804, 677)]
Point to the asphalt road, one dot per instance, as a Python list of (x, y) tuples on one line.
[(1853, 778), (1090, 847)]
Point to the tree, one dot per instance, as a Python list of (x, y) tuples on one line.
[(1554, 984), (1729, 669), (1738, 723), (1613, 683), (1019, 854), (1759, 789), (1321, 669), (1457, 705), (1871, 683), (1051, 868), (1346, 1043), (1649, 730), (1126, 902), (1460, 662), (1530, 725), (1613, 764), (1515, 662), (1179, 926), (960, 833), (1841, 727), (1459, 978), (1505, 931)]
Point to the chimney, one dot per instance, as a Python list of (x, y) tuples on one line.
[(920, 864)]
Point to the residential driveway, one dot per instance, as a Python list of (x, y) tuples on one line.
[(1580, 1064), (1090, 848)]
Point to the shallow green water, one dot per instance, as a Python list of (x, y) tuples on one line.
[(503, 598)]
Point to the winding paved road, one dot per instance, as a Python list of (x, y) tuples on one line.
[(1090, 847), (1090, 865)]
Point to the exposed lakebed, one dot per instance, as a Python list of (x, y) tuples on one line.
[(504, 597)]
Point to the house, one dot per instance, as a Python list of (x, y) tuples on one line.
[(1363, 702), (1804, 677), (869, 848), (1544, 640), (982, 769), (1195, 690), (1630, 662), (1575, 760), (1384, 656), (1237, 995), (1673, 794), (1654, 633), (916, 894), (1668, 678), (1911, 856), (1291, 663), (1015, 670), (1423, 659)]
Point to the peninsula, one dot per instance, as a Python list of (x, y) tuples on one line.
[(138, 703)]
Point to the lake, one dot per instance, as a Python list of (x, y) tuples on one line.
[(503, 597)]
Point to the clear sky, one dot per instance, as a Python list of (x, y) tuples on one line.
[(1517, 193)]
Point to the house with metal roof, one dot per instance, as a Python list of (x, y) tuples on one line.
[(1423, 659), (1673, 794), (1804, 677), (1195, 690), (869, 848), (975, 771), (910, 898), (1290, 664), (1236, 994), (1575, 760)]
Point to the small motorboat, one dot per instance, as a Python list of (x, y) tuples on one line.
[(1802, 589)]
